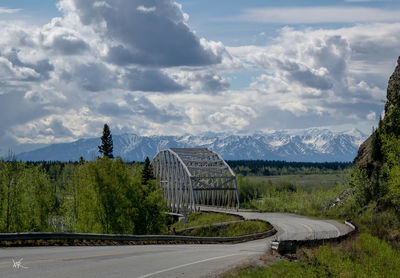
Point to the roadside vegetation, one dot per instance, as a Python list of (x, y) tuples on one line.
[(276, 167), (202, 219), (104, 196), (210, 224), (229, 230), (367, 256), (303, 194)]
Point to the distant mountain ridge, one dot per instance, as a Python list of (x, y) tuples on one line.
[(308, 145)]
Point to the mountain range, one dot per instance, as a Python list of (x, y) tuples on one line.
[(309, 145)]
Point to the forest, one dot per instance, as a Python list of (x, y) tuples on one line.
[(103, 196), (277, 167)]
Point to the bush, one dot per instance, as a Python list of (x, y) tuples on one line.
[(366, 257)]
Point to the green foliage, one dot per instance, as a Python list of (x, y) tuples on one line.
[(26, 198), (203, 223), (377, 143), (106, 147), (380, 192), (249, 191), (281, 269), (108, 197), (105, 196), (204, 218), (230, 230), (274, 167), (366, 257), (358, 180), (285, 196), (147, 173)]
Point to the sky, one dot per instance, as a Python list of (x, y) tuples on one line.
[(160, 67)]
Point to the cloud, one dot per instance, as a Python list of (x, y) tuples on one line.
[(324, 76), (55, 128), (319, 14), (144, 9), (203, 82), (150, 81), (4, 10), (371, 116), (165, 41), (91, 77), (64, 80), (61, 81), (141, 107), (101, 4)]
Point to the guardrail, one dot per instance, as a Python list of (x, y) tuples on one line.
[(48, 238), (290, 246)]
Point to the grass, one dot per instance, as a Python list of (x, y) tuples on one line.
[(204, 221), (313, 203), (367, 256), (230, 230), (308, 195), (306, 183), (204, 218)]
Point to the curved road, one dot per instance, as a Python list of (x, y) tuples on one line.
[(158, 260)]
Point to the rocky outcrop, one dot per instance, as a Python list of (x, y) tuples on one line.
[(393, 90), (364, 155), (343, 197), (364, 158)]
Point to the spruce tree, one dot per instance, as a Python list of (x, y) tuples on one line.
[(147, 173), (106, 147)]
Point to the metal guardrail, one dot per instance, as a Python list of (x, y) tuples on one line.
[(290, 246), (7, 238)]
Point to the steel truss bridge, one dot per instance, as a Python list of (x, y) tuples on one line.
[(194, 177)]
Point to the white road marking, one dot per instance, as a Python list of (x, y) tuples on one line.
[(337, 230), (183, 265)]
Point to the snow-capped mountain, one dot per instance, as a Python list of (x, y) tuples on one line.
[(307, 145)]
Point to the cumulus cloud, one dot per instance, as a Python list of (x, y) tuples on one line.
[(146, 9), (97, 64), (150, 81), (165, 41), (322, 14), (205, 82), (335, 75)]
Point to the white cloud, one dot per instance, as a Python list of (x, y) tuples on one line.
[(371, 116), (101, 4), (324, 76), (61, 81), (4, 10), (64, 80), (319, 14), (144, 9)]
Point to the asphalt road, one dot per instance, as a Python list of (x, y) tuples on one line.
[(157, 260)]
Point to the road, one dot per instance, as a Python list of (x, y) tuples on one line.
[(157, 260)]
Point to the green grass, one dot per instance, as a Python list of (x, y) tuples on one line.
[(204, 218), (308, 195), (306, 183), (230, 230), (281, 269), (314, 203), (365, 257)]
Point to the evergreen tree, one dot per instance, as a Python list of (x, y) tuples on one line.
[(147, 173), (106, 147)]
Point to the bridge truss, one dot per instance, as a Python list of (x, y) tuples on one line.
[(193, 177)]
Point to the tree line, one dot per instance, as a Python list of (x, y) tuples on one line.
[(276, 167), (103, 196)]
